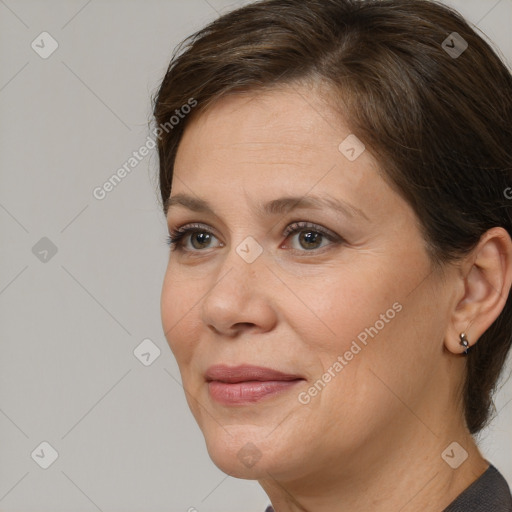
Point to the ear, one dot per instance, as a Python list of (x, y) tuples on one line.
[(486, 278)]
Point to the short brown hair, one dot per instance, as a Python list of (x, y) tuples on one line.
[(440, 125)]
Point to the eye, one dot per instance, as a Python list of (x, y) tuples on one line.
[(198, 236), (311, 236)]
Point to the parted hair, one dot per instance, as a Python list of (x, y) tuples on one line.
[(438, 123)]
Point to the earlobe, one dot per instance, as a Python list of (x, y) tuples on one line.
[(487, 278)]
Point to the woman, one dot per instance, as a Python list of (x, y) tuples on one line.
[(334, 175)]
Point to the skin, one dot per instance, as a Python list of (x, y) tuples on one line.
[(372, 439)]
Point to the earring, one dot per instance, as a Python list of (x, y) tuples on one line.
[(464, 342)]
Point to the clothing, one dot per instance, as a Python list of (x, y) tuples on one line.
[(489, 493)]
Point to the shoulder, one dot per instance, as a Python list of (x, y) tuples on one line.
[(490, 492)]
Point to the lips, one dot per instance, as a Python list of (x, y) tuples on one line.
[(246, 373), (246, 385)]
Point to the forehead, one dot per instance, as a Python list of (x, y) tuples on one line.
[(289, 129), (247, 152), (276, 143)]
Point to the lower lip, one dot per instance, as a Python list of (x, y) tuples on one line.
[(248, 392)]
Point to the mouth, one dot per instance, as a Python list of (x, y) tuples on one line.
[(244, 384)]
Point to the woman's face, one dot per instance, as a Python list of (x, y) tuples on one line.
[(345, 301)]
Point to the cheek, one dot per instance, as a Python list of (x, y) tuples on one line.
[(357, 326), (350, 305), (179, 316), (388, 339)]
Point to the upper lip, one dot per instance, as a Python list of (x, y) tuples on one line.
[(242, 373)]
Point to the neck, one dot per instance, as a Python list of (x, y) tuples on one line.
[(400, 470)]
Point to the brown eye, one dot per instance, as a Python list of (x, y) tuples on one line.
[(311, 236), (201, 237), (310, 239)]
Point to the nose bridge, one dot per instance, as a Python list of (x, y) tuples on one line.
[(238, 295), (250, 251), (242, 266)]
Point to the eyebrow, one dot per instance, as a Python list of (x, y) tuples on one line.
[(278, 206)]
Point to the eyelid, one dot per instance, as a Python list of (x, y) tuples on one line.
[(297, 226), (176, 235), (190, 226)]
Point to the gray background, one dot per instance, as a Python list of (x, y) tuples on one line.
[(124, 435)]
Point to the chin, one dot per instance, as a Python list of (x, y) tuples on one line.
[(243, 454), (245, 461)]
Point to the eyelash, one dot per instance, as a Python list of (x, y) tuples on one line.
[(176, 236)]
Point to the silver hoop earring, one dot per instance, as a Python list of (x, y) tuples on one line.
[(464, 341)]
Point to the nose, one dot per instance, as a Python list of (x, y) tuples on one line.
[(240, 298)]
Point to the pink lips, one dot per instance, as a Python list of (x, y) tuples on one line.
[(238, 385)]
